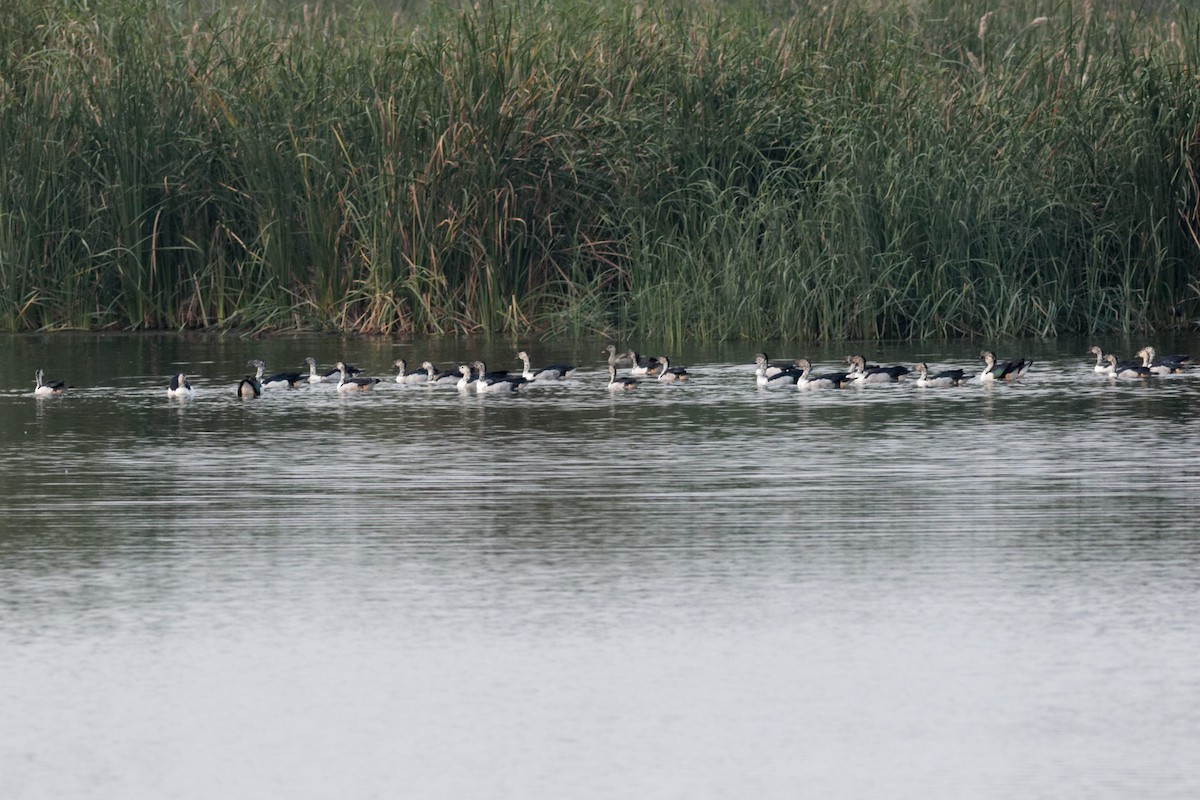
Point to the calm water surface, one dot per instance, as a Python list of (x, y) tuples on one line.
[(699, 591)]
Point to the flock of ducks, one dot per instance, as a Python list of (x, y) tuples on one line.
[(1147, 365), (476, 377), (858, 371)]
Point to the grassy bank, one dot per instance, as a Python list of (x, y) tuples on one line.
[(849, 169)]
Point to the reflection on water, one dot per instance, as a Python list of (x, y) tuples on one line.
[(706, 590)]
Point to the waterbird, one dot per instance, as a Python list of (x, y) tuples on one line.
[(648, 366), (773, 376), (496, 381), (410, 376), (466, 378), (769, 368), (277, 381), (1163, 365), (249, 387), (994, 370), (862, 372), (179, 387), (443, 377), (949, 377), (828, 380), (550, 372), (616, 384), (615, 360), (669, 374), (1126, 369), (351, 370), (1100, 367), (355, 384), (42, 387), (313, 375)]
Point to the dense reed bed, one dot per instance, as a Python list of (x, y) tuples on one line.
[(846, 169)]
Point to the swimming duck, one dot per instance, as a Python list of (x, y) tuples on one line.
[(1126, 369), (249, 387), (994, 370), (1163, 365), (409, 376), (615, 360), (179, 387), (772, 375), (498, 381), (553, 372), (669, 374), (439, 377), (466, 378), (349, 384), (1102, 366), (648, 366), (766, 367), (949, 377), (351, 370), (862, 372), (616, 384), (277, 381), (313, 375), (43, 388), (828, 380)]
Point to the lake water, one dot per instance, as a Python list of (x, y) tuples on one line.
[(700, 591)]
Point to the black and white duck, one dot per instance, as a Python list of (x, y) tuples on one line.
[(179, 387), (862, 372), (279, 380), (45, 388), (346, 383), (1163, 365), (827, 380), (948, 377), (616, 384), (551, 372), (407, 376), (995, 370)]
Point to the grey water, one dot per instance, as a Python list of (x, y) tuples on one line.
[(706, 590)]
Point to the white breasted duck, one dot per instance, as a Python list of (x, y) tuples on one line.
[(616, 384), (499, 381), (765, 367), (773, 376), (551, 372), (440, 377), (279, 380), (862, 372), (828, 380), (1163, 365), (994, 370), (1126, 369), (669, 374), (1102, 366), (249, 387), (44, 388), (466, 380), (649, 366), (948, 377), (409, 376), (179, 387), (355, 384), (313, 375)]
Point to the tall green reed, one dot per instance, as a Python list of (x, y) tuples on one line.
[(836, 170)]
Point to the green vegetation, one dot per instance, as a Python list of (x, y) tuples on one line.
[(848, 169)]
